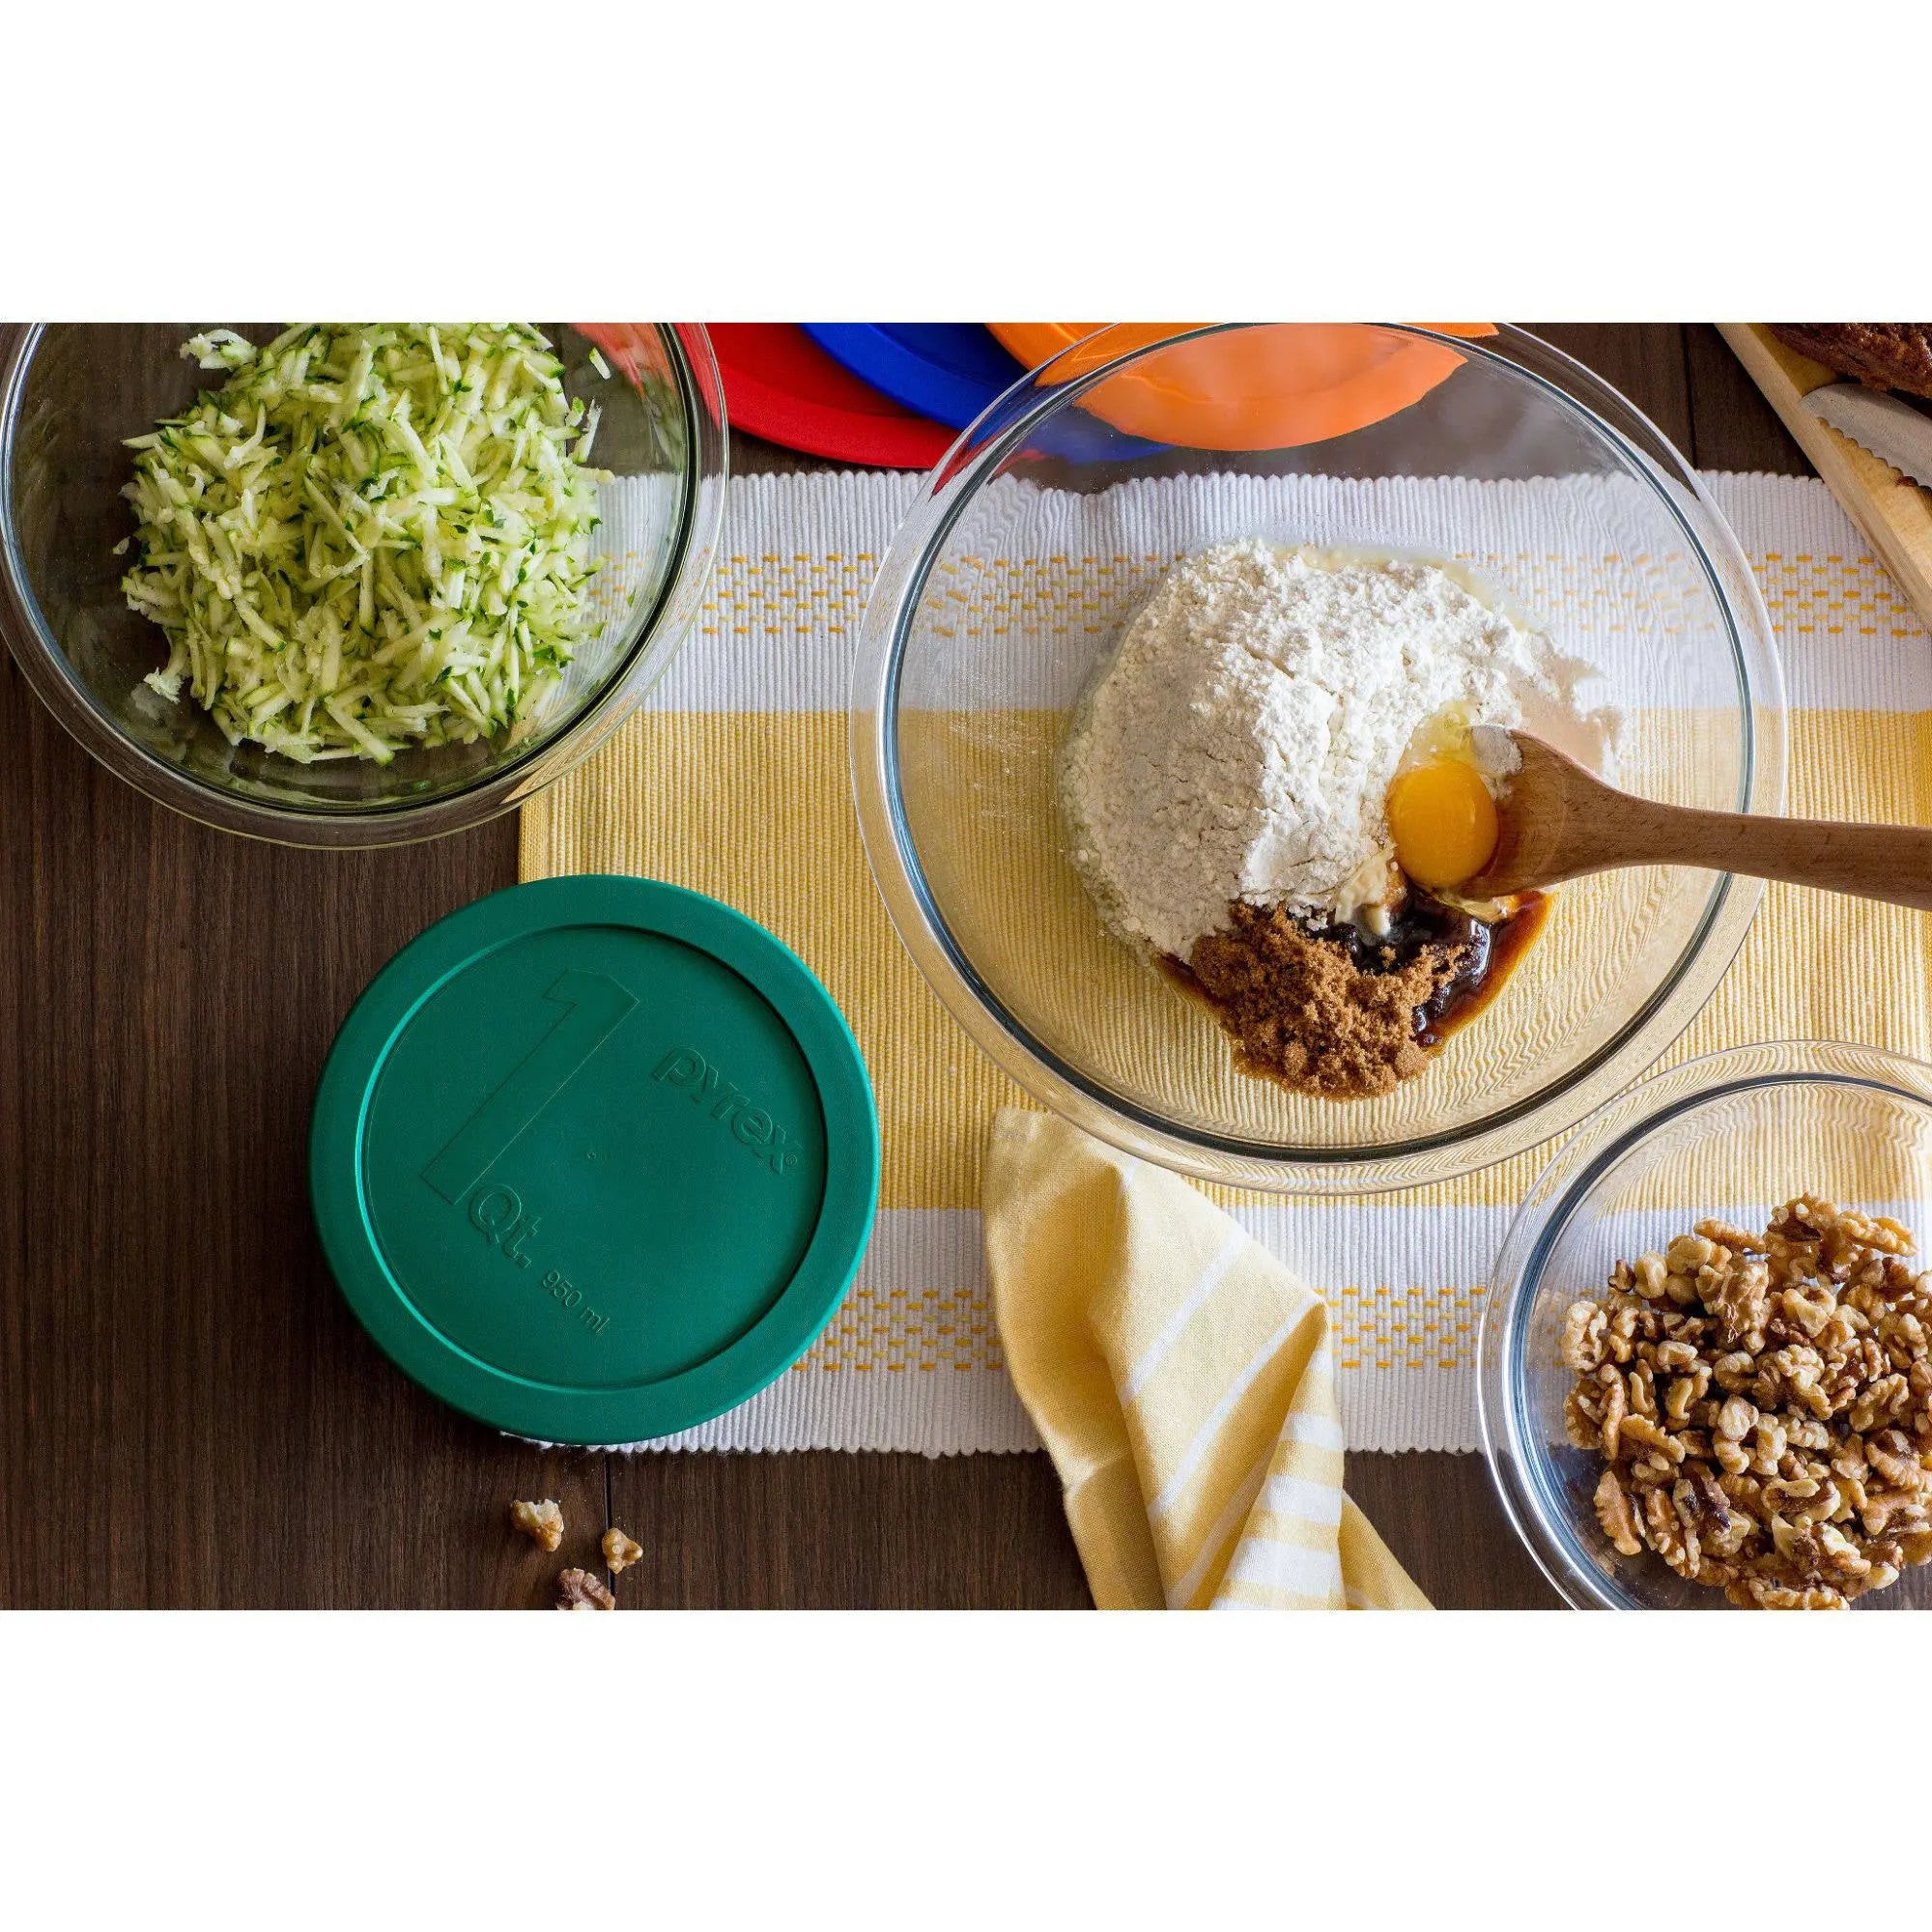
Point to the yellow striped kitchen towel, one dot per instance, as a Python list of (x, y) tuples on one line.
[(1181, 1379)]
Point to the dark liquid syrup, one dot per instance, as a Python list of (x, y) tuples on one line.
[(1489, 953), (1493, 954)]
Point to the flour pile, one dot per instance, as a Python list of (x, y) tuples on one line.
[(1239, 743)]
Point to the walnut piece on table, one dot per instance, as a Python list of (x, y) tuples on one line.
[(542, 1523), (619, 1551), (579, 1590), (1761, 1407)]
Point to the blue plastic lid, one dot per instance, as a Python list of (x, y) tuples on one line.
[(955, 372)]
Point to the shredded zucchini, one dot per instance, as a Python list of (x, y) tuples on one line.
[(369, 537)]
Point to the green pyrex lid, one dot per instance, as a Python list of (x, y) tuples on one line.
[(594, 1159)]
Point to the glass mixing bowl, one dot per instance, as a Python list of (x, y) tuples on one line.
[(69, 395), (1732, 1135), (1050, 522)]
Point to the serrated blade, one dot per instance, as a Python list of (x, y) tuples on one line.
[(1893, 431)]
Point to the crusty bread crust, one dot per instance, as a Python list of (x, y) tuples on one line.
[(1886, 355)]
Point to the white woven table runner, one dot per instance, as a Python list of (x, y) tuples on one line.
[(912, 1359)]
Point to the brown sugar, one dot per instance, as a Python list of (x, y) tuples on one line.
[(1340, 1017)]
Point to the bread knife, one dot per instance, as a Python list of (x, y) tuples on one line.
[(1891, 429)]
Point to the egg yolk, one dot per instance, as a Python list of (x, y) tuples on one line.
[(1443, 822)]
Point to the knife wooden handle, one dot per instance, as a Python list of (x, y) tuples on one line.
[(1894, 516)]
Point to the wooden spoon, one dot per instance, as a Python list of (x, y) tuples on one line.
[(1559, 821)]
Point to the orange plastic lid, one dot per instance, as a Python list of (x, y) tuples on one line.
[(1268, 388)]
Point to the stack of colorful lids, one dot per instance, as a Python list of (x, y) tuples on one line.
[(895, 394)]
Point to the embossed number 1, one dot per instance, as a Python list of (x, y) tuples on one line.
[(596, 1007)]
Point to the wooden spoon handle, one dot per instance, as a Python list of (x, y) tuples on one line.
[(1892, 863)]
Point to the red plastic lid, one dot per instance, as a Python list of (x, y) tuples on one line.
[(780, 384)]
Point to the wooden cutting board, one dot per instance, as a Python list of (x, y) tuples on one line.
[(1894, 515)]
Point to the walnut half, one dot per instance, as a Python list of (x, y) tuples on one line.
[(1618, 1517), (579, 1590)]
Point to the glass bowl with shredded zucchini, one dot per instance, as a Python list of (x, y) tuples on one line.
[(352, 583)]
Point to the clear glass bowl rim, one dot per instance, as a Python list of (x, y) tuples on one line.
[(916, 547), (1620, 1124), (381, 822)]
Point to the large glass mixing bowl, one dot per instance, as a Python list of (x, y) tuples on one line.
[(71, 394), (1050, 522)]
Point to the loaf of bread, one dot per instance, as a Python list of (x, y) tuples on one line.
[(1887, 354)]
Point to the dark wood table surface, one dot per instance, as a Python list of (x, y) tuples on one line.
[(188, 1413)]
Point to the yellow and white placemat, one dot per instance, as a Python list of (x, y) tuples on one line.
[(733, 780)]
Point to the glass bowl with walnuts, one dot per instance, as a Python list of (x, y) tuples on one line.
[(1705, 1372)]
